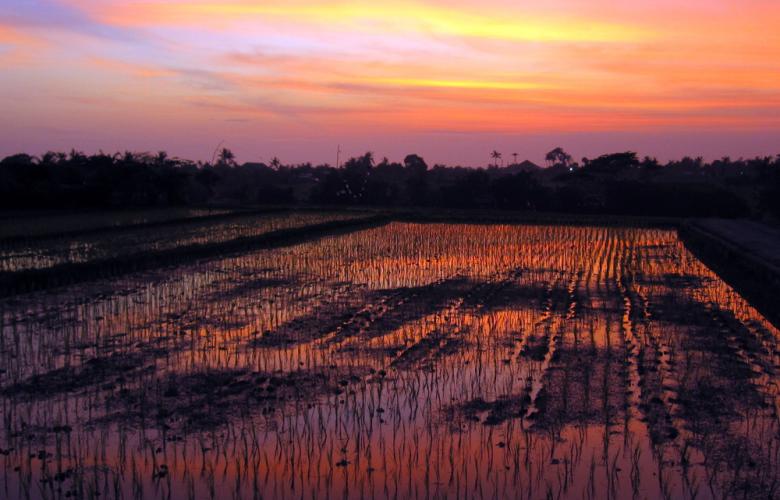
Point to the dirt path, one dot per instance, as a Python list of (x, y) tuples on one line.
[(746, 254), (759, 240)]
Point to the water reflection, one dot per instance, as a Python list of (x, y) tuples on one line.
[(403, 361), (44, 253)]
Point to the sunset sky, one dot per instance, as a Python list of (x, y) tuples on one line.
[(451, 80)]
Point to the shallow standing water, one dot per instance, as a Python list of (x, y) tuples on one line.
[(404, 361)]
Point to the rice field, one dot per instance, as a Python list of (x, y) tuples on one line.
[(403, 361), (25, 225), (50, 252)]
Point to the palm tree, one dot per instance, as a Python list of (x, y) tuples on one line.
[(496, 156), (226, 157), (514, 155)]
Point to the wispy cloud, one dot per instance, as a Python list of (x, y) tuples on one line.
[(54, 15), (399, 66), (395, 16)]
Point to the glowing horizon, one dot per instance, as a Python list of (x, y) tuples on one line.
[(448, 80)]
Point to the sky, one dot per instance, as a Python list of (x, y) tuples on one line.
[(450, 80)]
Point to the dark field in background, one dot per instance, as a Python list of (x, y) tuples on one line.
[(406, 360)]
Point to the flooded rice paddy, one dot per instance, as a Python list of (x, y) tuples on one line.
[(22, 224), (404, 361), (21, 255)]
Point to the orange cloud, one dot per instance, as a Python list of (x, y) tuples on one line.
[(344, 67)]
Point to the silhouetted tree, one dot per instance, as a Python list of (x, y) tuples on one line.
[(558, 157), (330, 190), (519, 192), (162, 158), (226, 158), (416, 179), (769, 197), (415, 165), (470, 190), (356, 174), (650, 164), (615, 163), (615, 183), (495, 155)]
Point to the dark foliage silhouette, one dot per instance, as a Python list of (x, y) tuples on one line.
[(558, 157), (618, 183)]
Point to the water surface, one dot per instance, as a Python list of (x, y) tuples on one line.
[(405, 361)]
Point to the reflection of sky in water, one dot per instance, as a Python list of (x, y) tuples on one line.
[(408, 360), (48, 253)]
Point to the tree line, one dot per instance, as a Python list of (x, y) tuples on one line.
[(619, 183)]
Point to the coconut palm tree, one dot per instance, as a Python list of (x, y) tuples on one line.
[(226, 157), (496, 156)]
